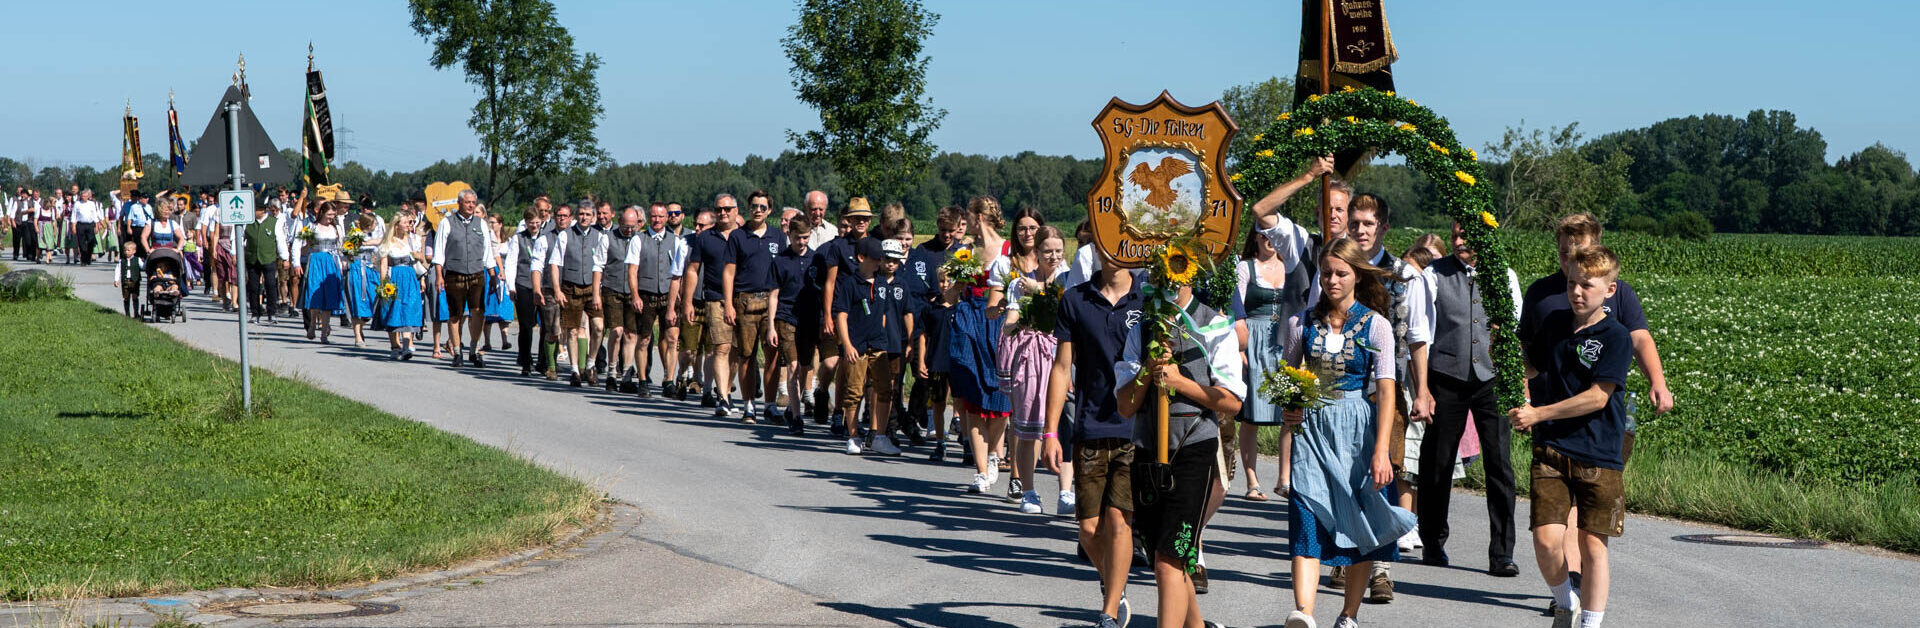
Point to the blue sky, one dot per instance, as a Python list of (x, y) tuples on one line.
[(693, 81)]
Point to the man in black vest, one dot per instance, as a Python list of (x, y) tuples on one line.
[(1460, 379), (574, 265), (462, 254), (618, 284), (654, 284), (526, 262)]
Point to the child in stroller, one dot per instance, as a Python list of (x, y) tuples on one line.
[(163, 285)]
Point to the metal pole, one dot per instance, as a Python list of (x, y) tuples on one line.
[(239, 245)]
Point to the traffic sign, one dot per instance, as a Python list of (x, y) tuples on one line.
[(236, 207)]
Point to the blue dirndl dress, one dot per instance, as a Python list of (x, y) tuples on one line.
[(325, 287), (499, 299), (972, 370), (1334, 513), (362, 282), (404, 314)]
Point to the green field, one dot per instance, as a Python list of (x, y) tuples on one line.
[(126, 468)]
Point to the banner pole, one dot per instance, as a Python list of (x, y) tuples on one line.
[(1326, 87)]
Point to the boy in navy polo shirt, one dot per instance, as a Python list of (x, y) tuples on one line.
[(872, 323), (1576, 367), (790, 276)]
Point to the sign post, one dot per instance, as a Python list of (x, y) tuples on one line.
[(236, 211), (1165, 180)]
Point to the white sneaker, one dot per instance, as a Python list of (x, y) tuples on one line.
[(1298, 619), (980, 483), (1067, 505), (1409, 541), (1346, 622), (749, 411), (993, 469), (853, 446), (1030, 503), (884, 446)]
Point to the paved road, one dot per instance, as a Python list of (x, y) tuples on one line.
[(898, 541)]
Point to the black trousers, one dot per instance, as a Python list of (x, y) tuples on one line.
[(25, 240), (263, 288), (84, 240), (531, 315), (1452, 399)]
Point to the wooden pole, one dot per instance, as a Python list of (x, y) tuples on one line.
[(1326, 87), (1160, 403)]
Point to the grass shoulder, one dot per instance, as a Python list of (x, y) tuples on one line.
[(127, 468)]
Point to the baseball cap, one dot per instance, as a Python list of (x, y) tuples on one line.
[(871, 248), (893, 249), (857, 207)]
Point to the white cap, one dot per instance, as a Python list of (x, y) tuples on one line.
[(894, 249)]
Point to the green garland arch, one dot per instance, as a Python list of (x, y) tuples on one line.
[(1367, 118)]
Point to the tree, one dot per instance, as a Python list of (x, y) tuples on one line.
[(1255, 104), (1545, 177), (859, 63), (539, 101)]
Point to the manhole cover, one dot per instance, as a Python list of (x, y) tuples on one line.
[(317, 610), (1751, 540)]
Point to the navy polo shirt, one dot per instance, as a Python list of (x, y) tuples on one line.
[(935, 321), (839, 252), (790, 275), (922, 270), (1548, 297), (753, 258), (1570, 362), (1098, 331), (876, 312), (710, 249)]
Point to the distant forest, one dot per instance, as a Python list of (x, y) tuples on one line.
[(1760, 173)]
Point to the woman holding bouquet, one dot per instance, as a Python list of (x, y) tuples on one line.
[(1340, 511), (362, 278), (400, 285), (1026, 362), (973, 372), (1020, 260), (317, 251)]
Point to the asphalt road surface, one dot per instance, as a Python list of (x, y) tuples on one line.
[(746, 525)]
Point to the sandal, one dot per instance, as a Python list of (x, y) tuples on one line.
[(1255, 495)]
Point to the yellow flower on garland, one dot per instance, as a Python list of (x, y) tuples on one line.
[(1411, 102), (1304, 131), (964, 255), (1407, 127), (1235, 178), (1351, 120), (1438, 148), (1284, 116), (1346, 89), (1463, 177), (1313, 97), (1475, 155), (1259, 136), (1265, 154), (1487, 217), (1180, 264), (1389, 93)]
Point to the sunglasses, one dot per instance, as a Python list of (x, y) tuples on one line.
[(675, 213), (727, 209), (761, 207)]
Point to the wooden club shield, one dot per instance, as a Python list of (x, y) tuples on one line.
[(1165, 178)]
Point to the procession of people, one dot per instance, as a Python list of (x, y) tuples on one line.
[(851, 326)]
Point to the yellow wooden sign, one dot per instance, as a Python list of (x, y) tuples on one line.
[(443, 199), (1164, 179)]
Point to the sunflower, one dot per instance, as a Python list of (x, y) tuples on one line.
[(964, 255), (1284, 116), (1303, 131), (1265, 154), (1463, 176), (387, 290), (1180, 264)]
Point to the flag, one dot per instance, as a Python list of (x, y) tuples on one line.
[(176, 148), (130, 148), (1363, 53), (316, 134)]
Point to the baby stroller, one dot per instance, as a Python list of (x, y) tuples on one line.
[(164, 293)]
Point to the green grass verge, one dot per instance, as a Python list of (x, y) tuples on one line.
[(126, 468)]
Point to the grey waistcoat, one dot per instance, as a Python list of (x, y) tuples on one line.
[(523, 274), (577, 267), (656, 258), (466, 248), (614, 275), (1460, 336)]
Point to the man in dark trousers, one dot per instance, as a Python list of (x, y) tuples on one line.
[(1461, 378), (262, 256)]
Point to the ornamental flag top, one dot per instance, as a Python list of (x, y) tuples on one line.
[(1164, 179)]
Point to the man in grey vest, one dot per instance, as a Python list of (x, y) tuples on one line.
[(462, 253), (618, 282), (526, 262), (574, 265), (1460, 379), (655, 281)]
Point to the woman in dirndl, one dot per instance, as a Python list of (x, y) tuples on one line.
[(363, 277), (1262, 276), (320, 258), (974, 373), (401, 309), (499, 309), (1341, 510), (1026, 363)]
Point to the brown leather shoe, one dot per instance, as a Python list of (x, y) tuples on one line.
[(1337, 578), (1380, 589)]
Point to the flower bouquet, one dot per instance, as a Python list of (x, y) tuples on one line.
[(387, 290), (1292, 389), (1040, 311), (966, 270), (355, 239), (307, 236)]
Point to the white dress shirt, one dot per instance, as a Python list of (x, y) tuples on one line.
[(536, 249), (448, 223), (593, 238)]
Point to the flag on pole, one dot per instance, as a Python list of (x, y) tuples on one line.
[(176, 148), (1363, 54), (316, 134), (130, 147)]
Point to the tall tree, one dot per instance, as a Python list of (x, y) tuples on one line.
[(1544, 177), (539, 102), (859, 63), (1255, 104)]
